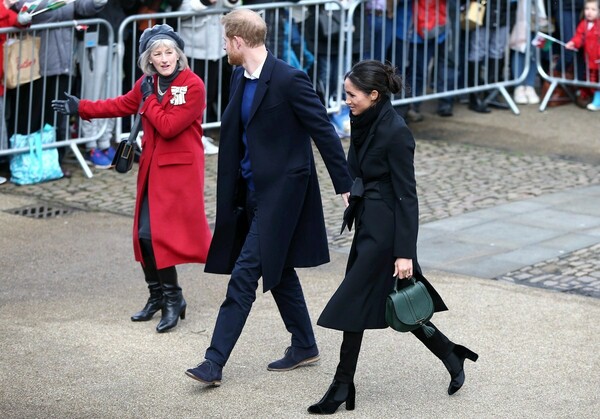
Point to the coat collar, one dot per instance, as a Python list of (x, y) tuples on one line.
[(263, 83), (387, 108), (179, 81)]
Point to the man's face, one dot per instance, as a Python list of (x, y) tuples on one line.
[(232, 47)]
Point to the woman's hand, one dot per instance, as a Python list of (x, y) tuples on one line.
[(403, 268), (570, 45), (70, 106), (346, 198), (147, 87)]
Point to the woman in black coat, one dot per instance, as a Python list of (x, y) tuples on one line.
[(384, 209)]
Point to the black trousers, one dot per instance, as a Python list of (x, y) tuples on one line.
[(438, 344), (152, 275)]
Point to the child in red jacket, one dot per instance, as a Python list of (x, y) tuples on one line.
[(587, 36)]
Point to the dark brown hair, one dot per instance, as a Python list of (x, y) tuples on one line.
[(369, 75)]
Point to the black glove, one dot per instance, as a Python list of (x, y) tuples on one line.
[(67, 107), (147, 87)]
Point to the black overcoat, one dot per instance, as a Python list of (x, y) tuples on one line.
[(285, 114), (386, 227)]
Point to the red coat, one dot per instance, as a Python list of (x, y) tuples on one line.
[(590, 40), (171, 167), (430, 17)]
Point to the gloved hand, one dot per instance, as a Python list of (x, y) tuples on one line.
[(147, 87), (24, 18), (99, 3), (70, 106)]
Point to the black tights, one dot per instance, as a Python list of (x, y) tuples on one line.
[(162, 276), (438, 344)]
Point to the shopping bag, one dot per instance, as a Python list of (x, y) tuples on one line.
[(21, 61), (36, 165), (472, 15)]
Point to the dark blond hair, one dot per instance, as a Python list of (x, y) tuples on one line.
[(246, 24)]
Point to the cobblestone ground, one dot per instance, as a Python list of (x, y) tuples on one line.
[(452, 179)]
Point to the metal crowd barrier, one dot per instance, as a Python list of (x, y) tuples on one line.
[(557, 65), (27, 106), (295, 34), (437, 54)]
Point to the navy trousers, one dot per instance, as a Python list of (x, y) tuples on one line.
[(241, 293)]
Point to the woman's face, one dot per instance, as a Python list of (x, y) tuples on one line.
[(164, 60), (357, 100)]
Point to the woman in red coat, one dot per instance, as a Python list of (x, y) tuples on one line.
[(170, 225)]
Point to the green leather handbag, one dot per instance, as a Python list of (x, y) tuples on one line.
[(409, 308)]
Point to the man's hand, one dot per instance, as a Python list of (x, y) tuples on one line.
[(70, 106), (147, 87)]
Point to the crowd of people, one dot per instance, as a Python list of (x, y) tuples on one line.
[(413, 35)]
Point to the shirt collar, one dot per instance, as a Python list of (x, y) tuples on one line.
[(257, 72)]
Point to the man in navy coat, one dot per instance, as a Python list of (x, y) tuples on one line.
[(269, 210)]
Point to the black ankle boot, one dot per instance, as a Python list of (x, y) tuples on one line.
[(337, 394), (154, 303), (174, 307), (454, 363)]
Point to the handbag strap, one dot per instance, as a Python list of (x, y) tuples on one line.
[(411, 279), (135, 128)]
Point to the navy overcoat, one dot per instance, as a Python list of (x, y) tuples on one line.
[(285, 115)]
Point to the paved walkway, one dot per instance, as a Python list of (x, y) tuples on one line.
[(484, 212)]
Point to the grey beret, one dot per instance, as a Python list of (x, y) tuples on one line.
[(159, 32)]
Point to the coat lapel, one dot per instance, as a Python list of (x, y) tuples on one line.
[(263, 84)]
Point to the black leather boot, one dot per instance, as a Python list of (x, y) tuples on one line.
[(453, 356), (337, 394), (174, 306), (454, 363), (154, 303)]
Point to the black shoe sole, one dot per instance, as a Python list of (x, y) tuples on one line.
[(215, 383), (299, 364)]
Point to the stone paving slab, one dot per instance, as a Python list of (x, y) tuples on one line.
[(505, 242)]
